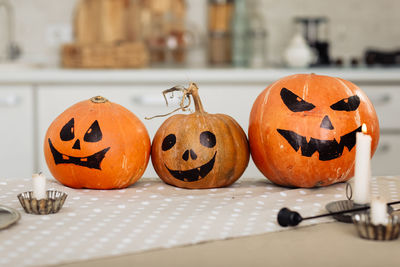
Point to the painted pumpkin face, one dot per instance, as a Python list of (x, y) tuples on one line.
[(303, 129), (92, 135), (327, 149), (195, 168), (97, 144), (200, 150)]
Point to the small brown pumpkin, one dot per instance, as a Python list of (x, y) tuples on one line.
[(199, 150), (97, 144)]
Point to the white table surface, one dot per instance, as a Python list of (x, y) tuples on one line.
[(150, 215)]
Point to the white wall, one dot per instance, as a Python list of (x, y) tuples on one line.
[(354, 24)]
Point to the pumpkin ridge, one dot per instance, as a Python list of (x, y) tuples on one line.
[(306, 84), (237, 140), (97, 108), (210, 122), (231, 141), (348, 90), (186, 129), (124, 147), (265, 98), (241, 137), (358, 119), (260, 127), (165, 129), (139, 167), (81, 108)]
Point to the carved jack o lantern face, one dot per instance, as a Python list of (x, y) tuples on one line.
[(303, 127), (92, 135), (198, 168), (327, 149)]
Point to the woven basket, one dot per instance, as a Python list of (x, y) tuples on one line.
[(122, 55)]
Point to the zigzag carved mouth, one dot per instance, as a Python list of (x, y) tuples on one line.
[(194, 174), (327, 149), (92, 161)]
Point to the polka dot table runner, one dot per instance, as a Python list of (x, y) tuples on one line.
[(150, 214)]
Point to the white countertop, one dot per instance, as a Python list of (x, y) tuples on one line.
[(182, 75)]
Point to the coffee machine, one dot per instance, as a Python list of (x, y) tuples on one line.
[(315, 32)]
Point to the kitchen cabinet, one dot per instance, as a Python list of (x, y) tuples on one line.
[(385, 100), (17, 133), (386, 159)]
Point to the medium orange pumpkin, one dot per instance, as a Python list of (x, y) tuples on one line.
[(97, 144), (200, 150), (302, 130)]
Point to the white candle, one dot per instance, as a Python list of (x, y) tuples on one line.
[(362, 175), (39, 186), (378, 212)]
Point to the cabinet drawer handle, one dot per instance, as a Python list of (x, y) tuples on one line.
[(383, 149), (380, 99), (9, 101)]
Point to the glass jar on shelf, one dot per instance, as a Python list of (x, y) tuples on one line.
[(257, 36), (241, 30), (169, 37), (219, 31)]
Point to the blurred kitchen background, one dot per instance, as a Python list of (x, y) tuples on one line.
[(56, 53), (199, 32)]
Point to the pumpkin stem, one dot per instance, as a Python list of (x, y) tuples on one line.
[(99, 99), (192, 90)]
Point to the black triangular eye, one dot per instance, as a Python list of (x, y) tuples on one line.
[(67, 132), (294, 102), (347, 104), (93, 134)]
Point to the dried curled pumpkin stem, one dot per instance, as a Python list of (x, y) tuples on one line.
[(191, 90)]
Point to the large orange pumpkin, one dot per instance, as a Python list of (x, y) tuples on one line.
[(200, 150), (97, 144), (302, 130)]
